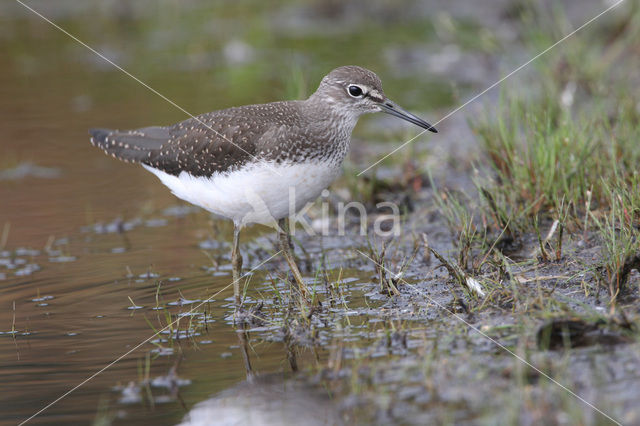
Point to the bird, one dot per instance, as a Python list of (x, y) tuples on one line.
[(258, 163)]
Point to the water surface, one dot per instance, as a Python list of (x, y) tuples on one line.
[(90, 247)]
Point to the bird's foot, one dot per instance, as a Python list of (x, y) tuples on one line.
[(251, 316)]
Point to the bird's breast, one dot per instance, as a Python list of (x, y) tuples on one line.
[(260, 192)]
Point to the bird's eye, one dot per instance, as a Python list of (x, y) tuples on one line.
[(355, 91)]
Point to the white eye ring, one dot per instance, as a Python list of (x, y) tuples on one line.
[(355, 91)]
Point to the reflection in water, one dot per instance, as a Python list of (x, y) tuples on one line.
[(291, 351), (243, 338), (266, 399)]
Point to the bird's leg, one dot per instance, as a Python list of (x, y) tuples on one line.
[(286, 246), (236, 264), (292, 250)]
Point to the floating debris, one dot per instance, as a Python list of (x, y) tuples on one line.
[(162, 351), (62, 259), (131, 394), (180, 334), (169, 381), (116, 226), (212, 244), (179, 211), (156, 223), (134, 307), (12, 264), (22, 251), (182, 301), (29, 169), (29, 269), (191, 314), (148, 275)]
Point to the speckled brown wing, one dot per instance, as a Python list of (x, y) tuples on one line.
[(214, 143)]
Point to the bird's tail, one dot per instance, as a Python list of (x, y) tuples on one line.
[(136, 146)]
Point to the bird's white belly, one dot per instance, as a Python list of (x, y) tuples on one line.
[(259, 193)]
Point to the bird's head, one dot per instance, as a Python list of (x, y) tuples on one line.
[(353, 90)]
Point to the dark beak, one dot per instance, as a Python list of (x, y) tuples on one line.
[(393, 109)]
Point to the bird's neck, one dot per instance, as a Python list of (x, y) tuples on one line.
[(325, 115)]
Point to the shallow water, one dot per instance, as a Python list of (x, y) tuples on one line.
[(88, 245)]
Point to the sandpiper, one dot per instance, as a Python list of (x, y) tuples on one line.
[(258, 163)]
